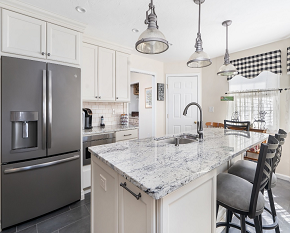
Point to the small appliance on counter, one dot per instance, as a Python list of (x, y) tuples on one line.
[(135, 114), (102, 121), (87, 121), (124, 119)]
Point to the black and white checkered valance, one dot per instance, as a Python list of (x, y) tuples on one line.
[(251, 67), (288, 60)]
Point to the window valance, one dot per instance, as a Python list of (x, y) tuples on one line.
[(251, 67)]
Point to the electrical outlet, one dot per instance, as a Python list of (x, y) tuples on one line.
[(113, 111), (211, 109), (103, 182)]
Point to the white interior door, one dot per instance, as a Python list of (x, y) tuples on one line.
[(180, 92)]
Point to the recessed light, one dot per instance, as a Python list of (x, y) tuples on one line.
[(135, 30), (81, 9)]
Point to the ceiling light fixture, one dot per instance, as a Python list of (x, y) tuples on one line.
[(135, 30), (151, 41), (227, 69), (199, 59), (80, 9)]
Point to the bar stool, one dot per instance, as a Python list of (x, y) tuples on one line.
[(237, 125), (246, 170), (239, 196)]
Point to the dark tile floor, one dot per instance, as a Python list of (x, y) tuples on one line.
[(282, 203), (75, 218)]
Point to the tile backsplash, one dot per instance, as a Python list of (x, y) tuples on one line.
[(106, 110)]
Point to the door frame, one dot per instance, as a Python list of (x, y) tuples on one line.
[(154, 97), (199, 91)]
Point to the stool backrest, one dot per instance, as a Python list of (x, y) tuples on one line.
[(237, 125), (258, 180), (281, 138)]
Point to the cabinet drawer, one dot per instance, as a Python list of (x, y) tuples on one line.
[(126, 135)]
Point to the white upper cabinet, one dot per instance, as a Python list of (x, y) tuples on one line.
[(89, 72), (23, 35), (122, 77), (28, 36), (63, 44), (106, 74)]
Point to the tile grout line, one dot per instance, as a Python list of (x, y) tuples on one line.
[(73, 222)]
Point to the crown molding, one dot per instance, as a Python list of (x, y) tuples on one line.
[(38, 13), (94, 41)]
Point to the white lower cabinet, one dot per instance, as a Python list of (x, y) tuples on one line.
[(126, 135), (114, 209), (135, 215)]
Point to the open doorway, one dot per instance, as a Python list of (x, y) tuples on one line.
[(141, 107)]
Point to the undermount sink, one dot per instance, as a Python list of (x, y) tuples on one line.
[(189, 136), (181, 140)]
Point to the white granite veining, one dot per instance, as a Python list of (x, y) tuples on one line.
[(107, 129), (159, 168)]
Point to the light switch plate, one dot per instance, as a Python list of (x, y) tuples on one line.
[(211, 109), (103, 182)]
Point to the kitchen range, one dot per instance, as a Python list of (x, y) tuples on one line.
[(40, 137)]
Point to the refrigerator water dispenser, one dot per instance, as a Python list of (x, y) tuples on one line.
[(24, 129)]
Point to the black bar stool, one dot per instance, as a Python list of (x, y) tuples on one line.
[(246, 170), (239, 196)]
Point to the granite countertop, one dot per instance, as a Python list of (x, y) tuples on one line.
[(107, 129), (159, 168)]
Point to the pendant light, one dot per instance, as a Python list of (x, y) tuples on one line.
[(199, 59), (227, 69), (151, 41)]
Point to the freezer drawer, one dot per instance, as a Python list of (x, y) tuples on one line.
[(34, 188)]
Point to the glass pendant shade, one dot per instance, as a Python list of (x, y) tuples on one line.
[(152, 41), (199, 60), (227, 70)]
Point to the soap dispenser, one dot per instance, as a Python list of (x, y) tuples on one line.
[(102, 122)]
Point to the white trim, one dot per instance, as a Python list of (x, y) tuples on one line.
[(199, 91), (154, 96), (283, 177), (95, 41), (38, 13)]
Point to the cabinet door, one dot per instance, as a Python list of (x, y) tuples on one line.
[(122, 77), (135, 215), (63, 44), (23, 35), (106, 74), (89, 72)]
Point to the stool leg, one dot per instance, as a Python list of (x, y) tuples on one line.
[(261, 221), (257, 225), (229, 216), (243, 224), (217, 209), (273, 210)]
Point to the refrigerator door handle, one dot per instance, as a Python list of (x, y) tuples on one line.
[(44, 109), (49, 109), (41, 165)]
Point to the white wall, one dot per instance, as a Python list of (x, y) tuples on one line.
[(215, 86), (145, 114)]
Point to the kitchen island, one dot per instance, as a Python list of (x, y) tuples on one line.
[(153, 186)]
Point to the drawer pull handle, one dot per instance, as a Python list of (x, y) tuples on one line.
[(124, 185), (125, 135)]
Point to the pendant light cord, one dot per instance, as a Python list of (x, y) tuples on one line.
[(227, 44), (199, 17)]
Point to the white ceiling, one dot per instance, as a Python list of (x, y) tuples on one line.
[(255, 22)]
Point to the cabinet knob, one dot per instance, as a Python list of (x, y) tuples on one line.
[(117, 97), (99, 97), (42, 53), (48, 54)]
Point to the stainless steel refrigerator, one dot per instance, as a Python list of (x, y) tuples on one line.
[(40, 138)]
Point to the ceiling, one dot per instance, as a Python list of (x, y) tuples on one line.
[(255, 22)]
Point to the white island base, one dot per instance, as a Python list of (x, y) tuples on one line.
[(189, 209)]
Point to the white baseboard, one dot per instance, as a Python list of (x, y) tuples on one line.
[(283, 177), (82, 195)]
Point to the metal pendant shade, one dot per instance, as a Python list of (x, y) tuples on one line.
[(151, 41), (199, 58), (227, 69)]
